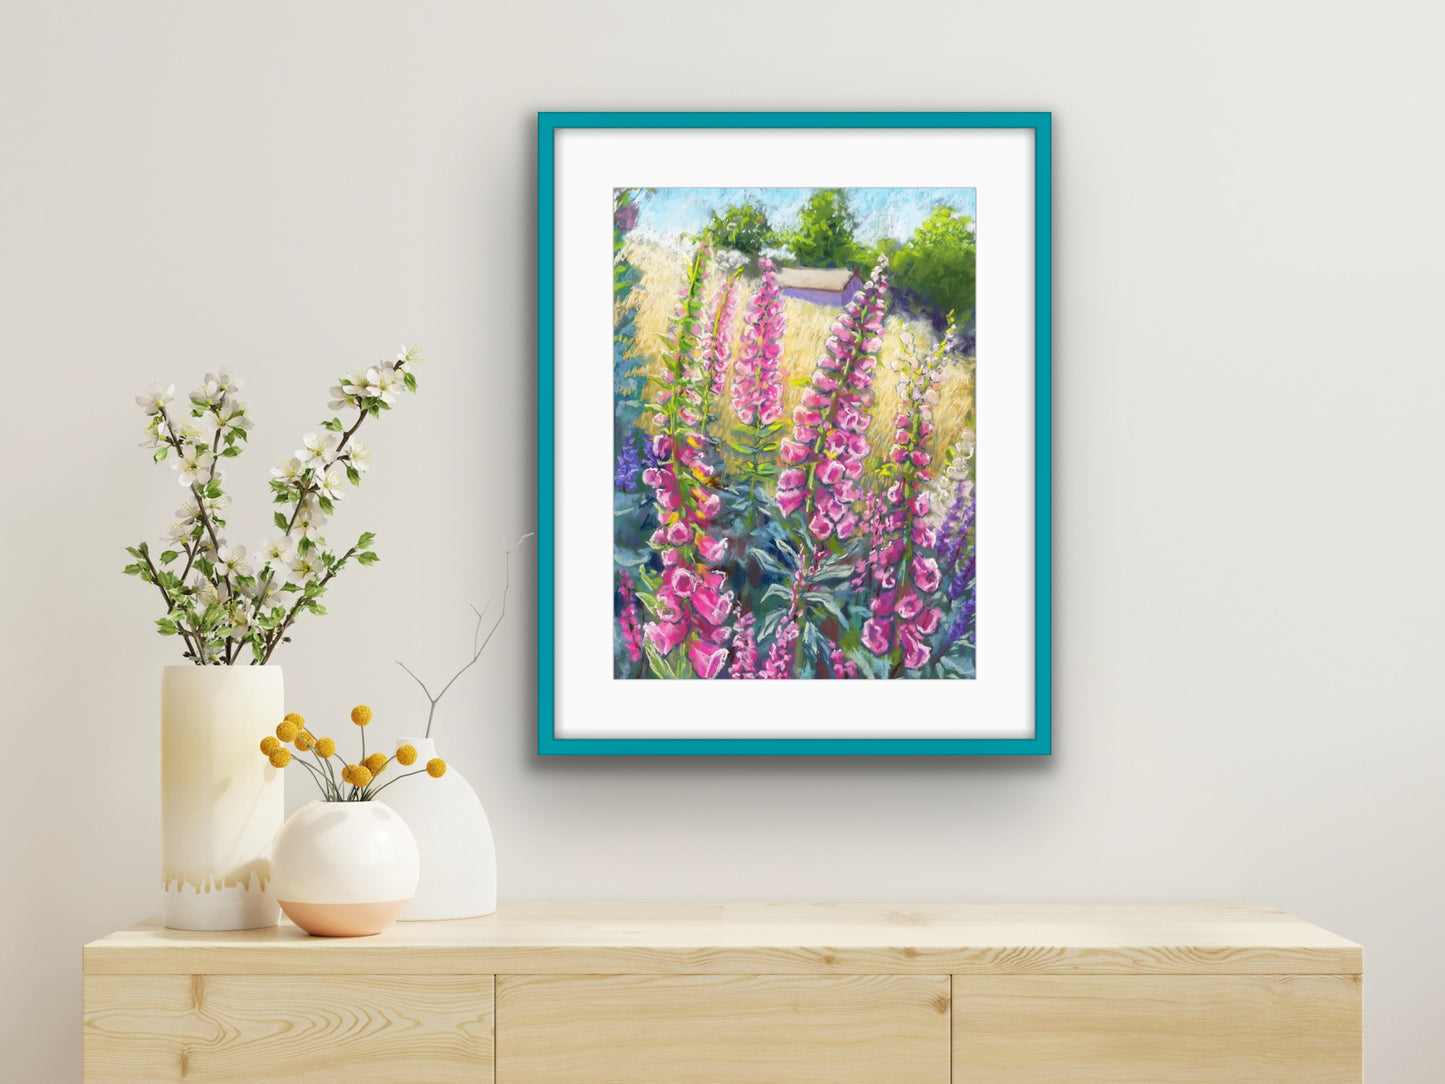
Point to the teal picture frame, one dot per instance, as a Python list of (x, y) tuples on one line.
[(549, 741)]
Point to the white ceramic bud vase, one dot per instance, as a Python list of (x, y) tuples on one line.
[(221, 801), (345, 869), (454, 837)]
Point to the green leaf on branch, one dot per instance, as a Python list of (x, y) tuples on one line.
[(280, 521), (334, 424), (367, 558), (160, 452), (168, 556), (366, 539), (325, 503)]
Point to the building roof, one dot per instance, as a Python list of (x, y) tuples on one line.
[(814, 278)]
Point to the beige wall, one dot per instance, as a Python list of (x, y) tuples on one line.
[(1248, 395)]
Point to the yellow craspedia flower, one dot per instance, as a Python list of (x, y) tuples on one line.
[(436, 767), (326, 747), (360, 775), (304, 740), (269, 745), (281, 757), (346, 774), (361, 715), (295, 717), (375, 763), (286, 730), (406, 755)]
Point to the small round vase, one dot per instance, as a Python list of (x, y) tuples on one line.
[(344, 869), (454, 837)]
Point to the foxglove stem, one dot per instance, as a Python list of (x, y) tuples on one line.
[(905, 569), (829, 444), (757, 390), (692, 608)]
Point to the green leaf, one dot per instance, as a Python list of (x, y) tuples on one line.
[(367, 558), (168, 556), (353, 475), (230, 452), (133, 570), (280, 521), (326, 505), (409, 379), (160, 453), (334, 424), (366, 539)]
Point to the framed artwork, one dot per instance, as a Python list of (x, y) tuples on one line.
[(793, 433)]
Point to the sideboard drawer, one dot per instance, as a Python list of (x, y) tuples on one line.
[(1156, 1029), (292, 1028), (702, 1029)]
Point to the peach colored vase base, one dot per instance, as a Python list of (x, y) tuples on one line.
[(344, 919)]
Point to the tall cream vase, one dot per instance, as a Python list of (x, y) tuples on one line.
[(222, 803)]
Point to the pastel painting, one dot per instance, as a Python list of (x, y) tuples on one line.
[(794, 427)]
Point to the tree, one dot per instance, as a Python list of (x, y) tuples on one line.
[(937, 265), (743, 228), (824, 237)]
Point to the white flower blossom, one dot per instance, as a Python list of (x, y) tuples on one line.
[(317, 451), (306, 566), (340, 398), (207, 593), (329, 484), (358, 455), (266, 591), (277, 550), (354, 383), (156, 431), (310, 519), (230, 414), (156, 397), (289, 472), (239, 616), (190, 430), (383, 382), (181, 530), (231, 561), (194, 465)]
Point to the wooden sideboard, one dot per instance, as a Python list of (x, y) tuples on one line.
[(731, 993)]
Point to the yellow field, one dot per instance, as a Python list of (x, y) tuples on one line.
[(807, 330)]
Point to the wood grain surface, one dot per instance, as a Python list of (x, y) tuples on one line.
[(156, 1028), (1156, 1029), (752, 938), (716, 1029)]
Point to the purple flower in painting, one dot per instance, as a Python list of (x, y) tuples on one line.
[(628, 469), (624, 219)]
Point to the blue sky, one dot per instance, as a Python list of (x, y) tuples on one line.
[(882, 212)]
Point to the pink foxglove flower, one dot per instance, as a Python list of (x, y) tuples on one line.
[(745, 648), (829, 442), (902, 564), (825, 454), (628, 621), (757, 390), (691, 604)]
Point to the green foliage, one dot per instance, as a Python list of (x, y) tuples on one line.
[(937, 263), (825, 233), (743, 228)]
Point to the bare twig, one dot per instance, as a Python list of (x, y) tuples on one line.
[(479, 644)]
